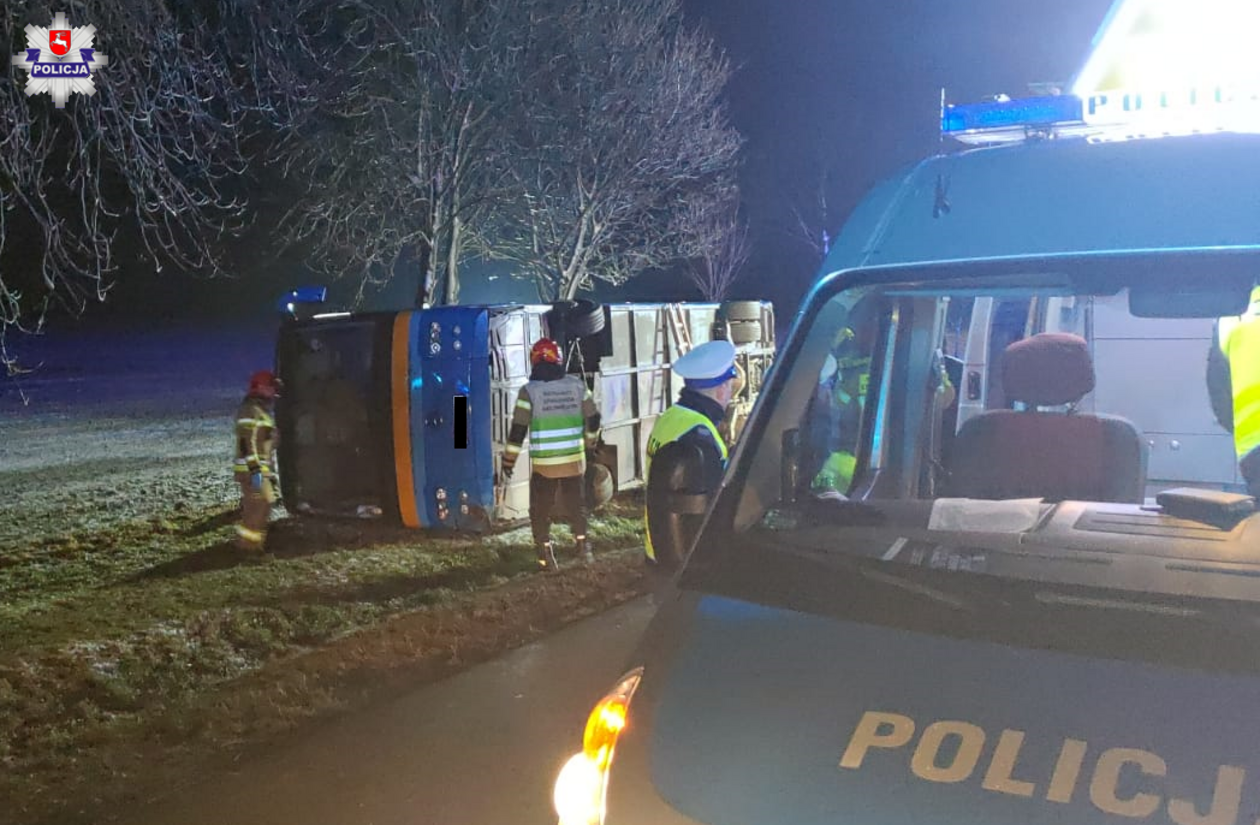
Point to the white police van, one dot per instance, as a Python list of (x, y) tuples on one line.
[(1007, 616)]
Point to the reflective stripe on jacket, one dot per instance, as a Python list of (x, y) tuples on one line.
[(255, 438), (672, 425)]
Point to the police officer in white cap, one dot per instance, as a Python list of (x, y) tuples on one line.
[(686, 456)]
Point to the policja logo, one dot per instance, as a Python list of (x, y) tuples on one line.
[(68, 60)]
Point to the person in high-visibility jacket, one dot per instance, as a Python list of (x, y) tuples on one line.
[(558, 413), (1234, 383), (842, 390), (686, 455), (255, 465)]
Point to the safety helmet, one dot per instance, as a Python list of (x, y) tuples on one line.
[(264, 383), (546, 350)]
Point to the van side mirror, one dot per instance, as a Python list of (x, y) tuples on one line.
[(790, 466)]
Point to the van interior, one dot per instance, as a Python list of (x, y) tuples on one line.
[(1076, 379)]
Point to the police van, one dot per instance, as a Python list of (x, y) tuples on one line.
[(1037, 598)]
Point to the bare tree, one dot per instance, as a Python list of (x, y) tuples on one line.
[(557, 135), (717, 243), (398, 149), (158, 151), (618, 130)]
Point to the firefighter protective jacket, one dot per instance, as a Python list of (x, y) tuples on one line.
[(255, 438)]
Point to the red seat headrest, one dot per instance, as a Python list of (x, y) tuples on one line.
[(1048, 369)]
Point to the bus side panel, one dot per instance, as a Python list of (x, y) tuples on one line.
[(455, 469)]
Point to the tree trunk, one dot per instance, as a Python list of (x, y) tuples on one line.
[(452, 263), (425, 286)]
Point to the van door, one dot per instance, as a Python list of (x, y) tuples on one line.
[(995, 324)]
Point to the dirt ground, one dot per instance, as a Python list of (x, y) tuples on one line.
[(138, 651)]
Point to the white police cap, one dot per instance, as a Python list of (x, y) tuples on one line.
[(708, 365)]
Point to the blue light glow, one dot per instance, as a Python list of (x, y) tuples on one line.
[(1116, 115), (302, 295), (1008, 114)]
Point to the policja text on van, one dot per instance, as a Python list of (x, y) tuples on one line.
[(949, 752)]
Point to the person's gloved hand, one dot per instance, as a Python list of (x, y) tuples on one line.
[(255, 481)]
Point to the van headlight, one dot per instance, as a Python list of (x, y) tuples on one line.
[(580, 790)]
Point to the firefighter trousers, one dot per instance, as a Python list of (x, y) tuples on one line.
[(251, 533), (552, 498)]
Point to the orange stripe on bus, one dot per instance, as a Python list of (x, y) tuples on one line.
[(400, 394)]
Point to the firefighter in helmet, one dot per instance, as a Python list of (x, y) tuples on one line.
[(558, 413), (255, 467)]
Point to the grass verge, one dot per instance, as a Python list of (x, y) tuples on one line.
[(133, 657)]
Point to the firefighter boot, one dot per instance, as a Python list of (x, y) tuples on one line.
[(583, 548), (547, 558)]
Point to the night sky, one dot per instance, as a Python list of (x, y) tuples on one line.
[(861, 81), (855, 83)]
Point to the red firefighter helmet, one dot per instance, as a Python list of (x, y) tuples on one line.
[(264, 383), (545, 349)]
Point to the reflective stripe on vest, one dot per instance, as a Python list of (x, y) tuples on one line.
[(1240, 341), (555, 426), (672, 425)]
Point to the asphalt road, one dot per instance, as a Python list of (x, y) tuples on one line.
[(480, 748)]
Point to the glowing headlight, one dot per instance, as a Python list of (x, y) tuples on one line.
[(583, 781)]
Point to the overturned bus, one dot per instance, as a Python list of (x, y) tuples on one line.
[(404, 415)]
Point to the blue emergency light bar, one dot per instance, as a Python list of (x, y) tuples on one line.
[(1006, 120), (1030, 112), (291, 300), (1109, 115)]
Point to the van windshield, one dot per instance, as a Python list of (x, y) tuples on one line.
[(1029, 425)]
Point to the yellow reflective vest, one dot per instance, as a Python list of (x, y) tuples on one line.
[(672, 425), (1240, 342)]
